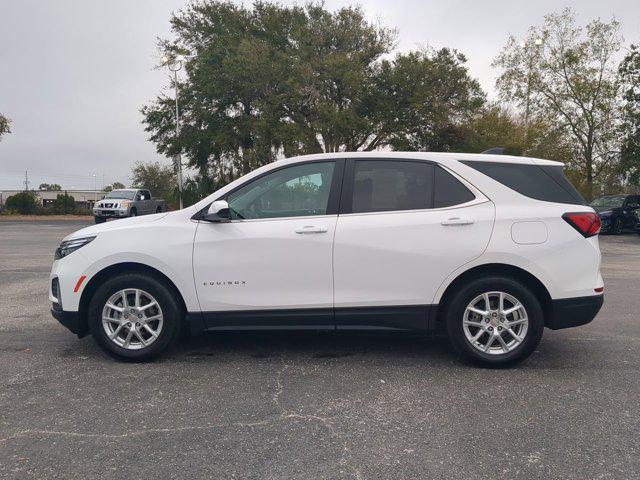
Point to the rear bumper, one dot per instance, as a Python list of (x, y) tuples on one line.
[(71, 320), (573, 312)]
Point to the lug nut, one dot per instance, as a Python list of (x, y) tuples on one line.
[(491, 329), (139, 315), (128, 324), (499, 329), (126, 316), (486, 320), (137, 324)]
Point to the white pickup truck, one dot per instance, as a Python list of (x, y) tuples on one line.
[(129, 202)]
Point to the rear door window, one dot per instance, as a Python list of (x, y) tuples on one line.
[(540, 182), (391, 185)]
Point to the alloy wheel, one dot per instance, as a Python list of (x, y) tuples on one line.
[(495, 323), (132, 319)]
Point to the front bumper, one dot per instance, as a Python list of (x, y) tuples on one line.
[(110, 212), (71, 320), (605, 224), (573, 312)]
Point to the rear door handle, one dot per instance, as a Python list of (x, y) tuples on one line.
[(457, 221), (310, 229)]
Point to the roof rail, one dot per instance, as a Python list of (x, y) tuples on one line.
[(494, 151)]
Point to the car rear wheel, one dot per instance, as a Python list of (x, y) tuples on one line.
[(133, 212), (159, 210), (495, 321), (134, 317)]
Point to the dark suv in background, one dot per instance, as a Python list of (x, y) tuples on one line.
[(617, 212)]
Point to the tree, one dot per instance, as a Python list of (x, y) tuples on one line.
[(24, 202), (271, 80), (114, 186), (567, 75), (5, 125), (630, 128), (428, 100), (64, 203), (158, 178), (49, 186)]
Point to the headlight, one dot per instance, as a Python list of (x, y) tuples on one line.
[(71, 246)]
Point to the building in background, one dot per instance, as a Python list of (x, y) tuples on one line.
[(84, 199)]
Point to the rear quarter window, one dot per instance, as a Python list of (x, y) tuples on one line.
[(449, 191), (540, 182)]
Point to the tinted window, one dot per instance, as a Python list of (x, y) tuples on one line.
[(449, 190), (546, 183), (632, 202), (385, 185), (121, 194), (608, 201), (301, 190)]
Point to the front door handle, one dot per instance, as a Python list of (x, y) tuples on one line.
[(457, 221), (310, 229)]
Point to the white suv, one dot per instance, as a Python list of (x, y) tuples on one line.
[(490, 249)]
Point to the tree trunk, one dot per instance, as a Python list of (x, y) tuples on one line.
[(589, 165)]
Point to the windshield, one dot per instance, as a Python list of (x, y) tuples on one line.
[(609, 201), (126, 194)]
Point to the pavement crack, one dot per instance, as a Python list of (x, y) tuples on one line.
[(326, 422), (134, 433)]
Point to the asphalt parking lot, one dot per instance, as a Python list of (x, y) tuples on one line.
[(310, 405)]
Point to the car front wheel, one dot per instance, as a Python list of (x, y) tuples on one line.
[(495, 321), (134, 317), (616, 227)]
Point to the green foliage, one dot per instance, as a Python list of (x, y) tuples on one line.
[(571, 81), (630, 128), (276, 80), (64, 203), (159, 179), (428, 99), (49, 186), (24, 203), (114, 186), (5, 125)]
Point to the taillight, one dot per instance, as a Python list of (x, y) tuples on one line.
[(587, 223)]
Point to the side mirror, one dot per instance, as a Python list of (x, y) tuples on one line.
[(218, 212)]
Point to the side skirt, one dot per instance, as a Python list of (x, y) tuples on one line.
[(412, 317)]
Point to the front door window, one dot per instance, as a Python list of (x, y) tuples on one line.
[(297, 191)]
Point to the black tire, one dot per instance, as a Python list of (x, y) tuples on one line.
[(159, 209), (616, 227), (457, 304), (100, 219), (172, 316), (133, 212)]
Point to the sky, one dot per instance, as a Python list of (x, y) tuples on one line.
[(74, 73)]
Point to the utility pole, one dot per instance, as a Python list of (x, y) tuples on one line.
[(175, 64), (26, 181)]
